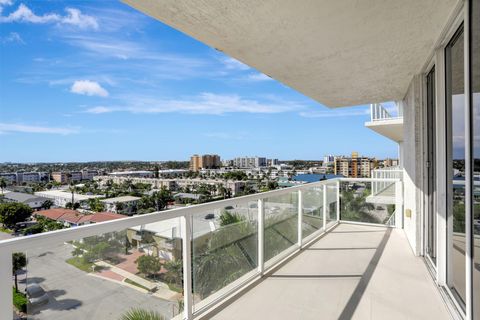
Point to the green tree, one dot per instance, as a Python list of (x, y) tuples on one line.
[(354, 207), (148, 265), (96, 205), (161, 198), (47, 204), (19, 261), (3, 184), (227, 218), (174, 271), (11, 213)]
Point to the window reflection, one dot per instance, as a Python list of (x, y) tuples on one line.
[(454, 54)]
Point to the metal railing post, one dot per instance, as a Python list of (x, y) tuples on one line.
[(338, 200), (325, 207), (371, 112), (187, 267), (261, 236), (300, 214), (6, 302)]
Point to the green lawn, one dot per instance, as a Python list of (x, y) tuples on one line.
[(174, 287), (19, 301), (5, 230), (135, 284), (80, 264)]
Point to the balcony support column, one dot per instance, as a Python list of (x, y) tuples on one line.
[(398, 205), (261, 236), (325, 207), (300, 217), (187, 267), (6, 302)]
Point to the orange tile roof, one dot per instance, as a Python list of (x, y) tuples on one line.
[(75, 217), (54, 214)]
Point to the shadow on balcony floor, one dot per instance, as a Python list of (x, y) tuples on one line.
[(354, 272)]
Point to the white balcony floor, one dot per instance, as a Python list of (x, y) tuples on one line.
[(354, 272)]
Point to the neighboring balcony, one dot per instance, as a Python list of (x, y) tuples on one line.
[(317, 250), (387, 124)]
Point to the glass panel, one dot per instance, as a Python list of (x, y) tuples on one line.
[(312, 216), (454, 55), (359, 203), (475, 73), (105, 276), (331, 203), (281, 226), (431, 215), (225, 250)]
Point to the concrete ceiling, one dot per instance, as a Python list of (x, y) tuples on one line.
[(338, 52)]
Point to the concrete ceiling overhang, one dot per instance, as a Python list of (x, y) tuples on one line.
[(338, 52)]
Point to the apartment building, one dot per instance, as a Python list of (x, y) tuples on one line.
[(156, 183), (206, 161), (123, 204), (10, 178), (61, 198), (26, 177), (354, 166), (61, 177), (89, 174), (250, 162)]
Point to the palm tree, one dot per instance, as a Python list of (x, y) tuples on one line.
[(72, 189), (19, 261), (141, 314), (3, 184), (47, 204)]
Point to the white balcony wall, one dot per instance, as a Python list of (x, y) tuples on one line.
[(412, 160)]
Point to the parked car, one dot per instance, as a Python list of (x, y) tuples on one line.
[(36, 295), (209, 216)]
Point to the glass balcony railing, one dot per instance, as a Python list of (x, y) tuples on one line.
[(181, 262), (378, 112)]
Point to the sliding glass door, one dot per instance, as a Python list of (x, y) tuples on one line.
[(455, 125), (431, 223), (475, 103)]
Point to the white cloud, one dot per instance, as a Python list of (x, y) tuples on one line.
[(16, 127), (205, 103), (77, 18), (73, 17), (13, 37), (4, 3), (100, 109), (258, 77), (89, 88), (233, 64)]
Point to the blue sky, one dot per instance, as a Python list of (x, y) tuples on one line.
[(97, 80)]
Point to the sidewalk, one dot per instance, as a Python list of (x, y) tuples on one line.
[(141, 281)]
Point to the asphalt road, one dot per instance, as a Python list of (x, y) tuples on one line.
[(74, 295)]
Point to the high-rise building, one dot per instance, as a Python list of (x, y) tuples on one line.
[(195, 162), (355, 166), (206, 161), (250, 162), (328, 159)]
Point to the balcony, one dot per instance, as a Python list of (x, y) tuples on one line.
[(386, 124), (294, 253)]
